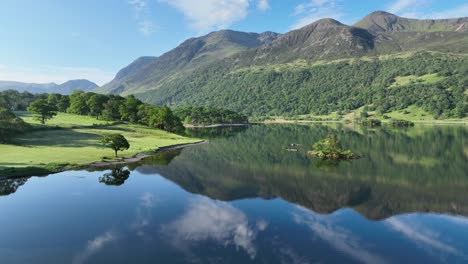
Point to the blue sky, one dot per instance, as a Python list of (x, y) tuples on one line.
[(57, 40)]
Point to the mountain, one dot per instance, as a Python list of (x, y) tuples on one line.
[(29, 87), (64, 88), (69, 86), (380, 22), (188, 56), (323, 67), (323, 39), (134, 67)]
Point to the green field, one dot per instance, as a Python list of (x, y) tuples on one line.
[(412, 79), (77, 142)]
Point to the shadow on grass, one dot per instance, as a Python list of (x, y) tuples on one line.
[(59, 138)]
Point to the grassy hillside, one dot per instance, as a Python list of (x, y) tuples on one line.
[(439, 87), (75, 141)]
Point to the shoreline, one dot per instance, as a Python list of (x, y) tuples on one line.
[(441, 122), (44, 171), (138, 157), (217, 125)]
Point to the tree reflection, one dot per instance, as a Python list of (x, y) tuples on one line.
[(404, 171), (9, 186), (116, 177)]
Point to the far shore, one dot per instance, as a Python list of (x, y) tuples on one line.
[(428, 122), (216, 125)]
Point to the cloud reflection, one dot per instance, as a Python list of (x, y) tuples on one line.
[(423, 236), (143, 213), (210, 220), (339, 238), (94, 246)]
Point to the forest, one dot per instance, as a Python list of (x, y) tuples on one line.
[(209, 115), (105, 107), (323, 88)]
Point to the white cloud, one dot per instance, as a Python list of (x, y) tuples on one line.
[(218, 221), (401, 5), (459, 11), (263, 5), (93, 246), (145, 25), (420, 9), (138, 4), (206, 15), (57, 74), (314, 10)]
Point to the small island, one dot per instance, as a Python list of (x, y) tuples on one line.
[(330, 148)]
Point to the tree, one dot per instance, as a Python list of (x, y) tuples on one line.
[(117, 142), (63, 104), (163, 118), (78, 104), (43, 110), (111, 108), (129, 109), (96, 104)]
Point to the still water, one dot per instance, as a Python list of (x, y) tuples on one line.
[(248, 197)]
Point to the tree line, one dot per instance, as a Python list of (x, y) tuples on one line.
[(209, 116), (115, 108), (106, 107)]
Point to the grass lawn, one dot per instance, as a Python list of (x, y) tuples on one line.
[(79, 144), (412, 79), (64, 120)]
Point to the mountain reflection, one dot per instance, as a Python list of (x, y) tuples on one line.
[(401, 171), (421, 169)]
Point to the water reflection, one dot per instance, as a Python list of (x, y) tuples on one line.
[(217, 221), (401, 170), (116, 177), (9, 186)]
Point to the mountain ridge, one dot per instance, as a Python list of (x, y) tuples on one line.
[(189, 55), (65, 88), (272, 74)]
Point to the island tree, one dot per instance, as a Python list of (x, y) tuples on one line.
[(43, 110), (117, 142)]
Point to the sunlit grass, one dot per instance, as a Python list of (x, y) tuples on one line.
[(80, 144)]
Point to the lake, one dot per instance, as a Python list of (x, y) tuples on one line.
[(248, 196)]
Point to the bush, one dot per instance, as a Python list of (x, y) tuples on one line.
[(401, 123), (371, 122)]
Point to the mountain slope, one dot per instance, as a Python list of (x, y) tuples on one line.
[(190, 55), (134, 67), (323, 39), (65, 88), (321, 68), (320, 88)]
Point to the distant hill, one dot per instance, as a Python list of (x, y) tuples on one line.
[(323, 67), (64, 88)]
